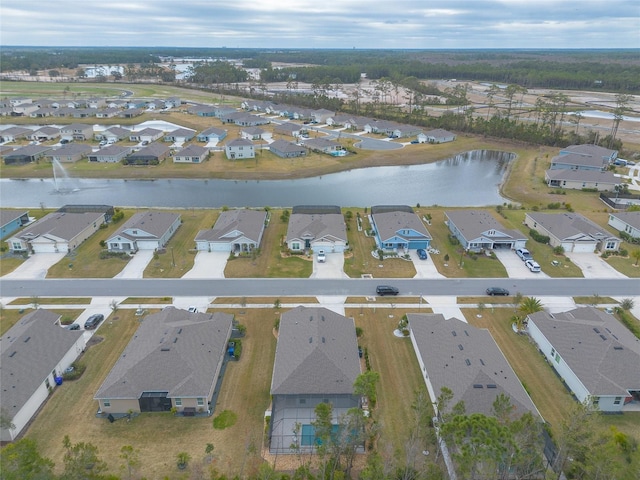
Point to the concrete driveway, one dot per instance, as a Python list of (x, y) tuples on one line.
[(135, 267), (333, 267), (515, 266), (208, 265), (36, 266), (593, 266), (424, 268)]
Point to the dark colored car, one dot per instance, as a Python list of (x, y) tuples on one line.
[(422, 254), (497, 291), (93, 321), (383, 290), (72, 326)]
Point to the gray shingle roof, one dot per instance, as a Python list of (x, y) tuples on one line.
[(315, 226), (7, 216), (192, 151), (578, 160), (61, 225), (317, 353), (466, 360), (630, 218), (390, 222), (152, 222), (247, 223), (172, 351), (591, 150), (583, 176), (474, 223), (569, 225), (601, 352), (39, 345)]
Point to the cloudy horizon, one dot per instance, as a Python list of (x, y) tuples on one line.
[(415, 24)]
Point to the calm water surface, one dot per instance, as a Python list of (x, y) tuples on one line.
[(469, 179)]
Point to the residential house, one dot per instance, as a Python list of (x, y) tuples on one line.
[(436, 136), (45, 133), (323, 145), (69, 153), (321, 115), (172, 102), (239, 148), (397, 227), (191, 154), (203, 110), (212, 134), (24, 109), (149, 230), (96, 102), (290, 129), (572, 231), (56, 232), (12, 220), (285, 149), (589, 150), (317, 227), (227, 114), (478, 230), (152, 154), (77, 131), (574, 161), (12, 134), (131, 113), (110, 112), (316, 362), (145, 135), (627, 222), (599, 180), (110, 154), (404, 131), (465, 359), (26, 154), (255, 133), (380, 126), (42, 112), (237, 231), (33, 354), (173, 361), (113, 134), (248, 120), (180, 135), (83, 112), (595, 355)]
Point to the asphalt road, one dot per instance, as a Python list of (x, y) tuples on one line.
[(276, 287)]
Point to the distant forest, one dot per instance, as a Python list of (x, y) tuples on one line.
[(609, 70)]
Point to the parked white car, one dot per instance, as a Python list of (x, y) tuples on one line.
[(532, 265), (321, 256), (524, 254)]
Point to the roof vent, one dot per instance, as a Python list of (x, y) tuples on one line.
[(311, 318), (468, 362), (460, 347), (165, 349), (323, 340), (27, 339), (466, 333), (596, 330), (454, 334), (618, 348), (477, 385), (492, 385), (322, 318), (179, 331), (175, 340), (13, 353), (603, 337), (310, 339), (481, 362)]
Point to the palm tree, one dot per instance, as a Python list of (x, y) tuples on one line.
[(636, 254), (627, 304), (530, 305)]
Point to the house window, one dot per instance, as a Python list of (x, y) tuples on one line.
[(295, 246), (617, 400), (553, 352), (303, 401), (201, 402), (610, 245), (557, 358), (106, 403), (16, 246), (595, 401), (178, 402)]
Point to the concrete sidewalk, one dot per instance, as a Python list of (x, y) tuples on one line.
[(135, 267), (593, 266), (36, 266)]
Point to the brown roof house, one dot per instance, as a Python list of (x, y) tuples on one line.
[(173, 361), (57, 232), (596, 356), (316, 362), (453, 354), (572, 231), (144, 231), (33, 353), (317, 227), (237, 231)]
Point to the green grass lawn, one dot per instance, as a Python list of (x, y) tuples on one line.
[(627, 266)]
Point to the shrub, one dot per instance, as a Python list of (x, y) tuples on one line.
[(559, 250), (226, 419), (553, 205), (78, 370), (453, 240), (538, 237)]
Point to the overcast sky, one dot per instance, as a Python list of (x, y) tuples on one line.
[(423, 24)]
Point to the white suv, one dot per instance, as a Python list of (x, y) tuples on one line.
[(532, 265), (321, 256)]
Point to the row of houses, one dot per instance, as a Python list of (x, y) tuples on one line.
[(583, 167), (395, 228), (98, 107)]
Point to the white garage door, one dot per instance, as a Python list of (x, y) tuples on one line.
[(220, 247), (50, 248), (584, 247)]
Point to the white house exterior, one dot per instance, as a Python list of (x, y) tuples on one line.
[(438, 135), (239, 148), (478, 230), (33, 352), (145, 231), (628, 222), (234, 231), (56, 232), (596, 356), (191, 154), (316, 227), (572, 231)]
